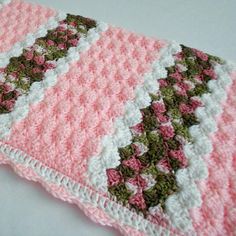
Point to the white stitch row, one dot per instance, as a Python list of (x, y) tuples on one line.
[(116, 211), (177, 205), (17, 48), (36, 92), (109, 157)]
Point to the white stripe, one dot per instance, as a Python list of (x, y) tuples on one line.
[(121, 214), (109, 157), (37, 89), (29, 40), (177, 205)]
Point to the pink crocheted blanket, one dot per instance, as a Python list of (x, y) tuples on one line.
[(127, 127)]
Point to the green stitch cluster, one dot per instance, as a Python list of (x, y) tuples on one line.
[(24, 67), (31, 65), (158, 146)]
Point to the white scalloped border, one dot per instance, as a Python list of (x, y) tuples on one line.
[(29, 40), (36, 92), (109, 156), (116, 211), (177, 205)]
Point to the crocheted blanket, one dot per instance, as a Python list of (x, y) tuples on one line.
[(127, 127)]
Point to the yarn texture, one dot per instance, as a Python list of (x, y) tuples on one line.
[(138, 132)]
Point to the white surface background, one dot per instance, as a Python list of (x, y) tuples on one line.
[(26, 209)]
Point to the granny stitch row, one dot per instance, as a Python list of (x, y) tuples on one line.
[(36, 91), (122, 135), (178, 204), (17, 49), (24, 70), (29, 39)]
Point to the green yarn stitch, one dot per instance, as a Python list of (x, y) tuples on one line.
[(159, 147), (24, 70)]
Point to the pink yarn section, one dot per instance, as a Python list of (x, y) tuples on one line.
[(217, 215), (19, 18), (66, 128)]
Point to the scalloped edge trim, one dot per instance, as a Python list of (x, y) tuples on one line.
[(37, 89), (80, 192), (29, 40), (109, 156), (178, 204), (61, 193)]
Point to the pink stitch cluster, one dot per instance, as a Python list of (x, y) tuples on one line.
[(217, 214), (5, 90), (19, 18)]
